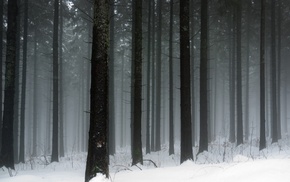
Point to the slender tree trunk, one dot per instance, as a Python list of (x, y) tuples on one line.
[(61, 86), (203, 141), (232, 137), (6, 156), (98, 155), (262, 78), (23, 87), (35, 96), (148, 79), (1, 68), (55, 110), (153, 107), (274, 73), (171, 109), (192, 66), (247, 108), (112, 144), (158, 76), (137, 156), (185, 97), (239, 76), (279, 70)]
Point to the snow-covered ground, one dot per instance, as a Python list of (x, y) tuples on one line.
[(223, 163)]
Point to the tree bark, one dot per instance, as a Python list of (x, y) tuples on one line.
[(98, 155), (203, 141), (137, 156), (185, 95), (1, 69), (23, 87), (262, 78), (55, 110), (171, 109), (7, 157)]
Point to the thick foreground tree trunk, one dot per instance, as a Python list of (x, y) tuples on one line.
[(98, 159)]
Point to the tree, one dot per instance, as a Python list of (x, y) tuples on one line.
[(98, 159), (23, 88), (7, 152), (239, 75), (171, 123), (55, 117), (137, 156), (185, 101), (203, 142), (262, 78), (1, 69), (273, 73)]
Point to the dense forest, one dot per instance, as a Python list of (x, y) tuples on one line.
[(150, 75)]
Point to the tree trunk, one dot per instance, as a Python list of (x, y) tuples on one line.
[(171, 110), (1, 69), (98, 156), (35, 96), (148, 79), (192, 72), (153, 107), (158, 77), (6, 157), (262, 78), (112, 149), (137, 58), (279, 71), (274, 73), (185, 97), (203, 141), (23, 88), (239, 75), (61, 86), (55, 110)]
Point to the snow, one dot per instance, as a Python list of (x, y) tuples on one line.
[(223, 163)]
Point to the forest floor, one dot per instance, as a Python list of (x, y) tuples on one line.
[(223, 163)]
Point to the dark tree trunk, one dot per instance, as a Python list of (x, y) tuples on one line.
[(23, 87), (239, 75), (153, 107), (203, 141), (274, 73), (17, 92), (112, 149), (192, 67), (35, 96), (158, 77), (185, 101), (232, 137), (262, 78), (137, 156), (1, 68), (6, 157), (279, 70), (171, 123), (55, 109), (61, 82), (98, 156), (247, 108), (148, 80)]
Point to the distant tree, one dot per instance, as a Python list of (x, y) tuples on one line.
[(137, 156), (203, 141), (98, 155), (262, 78), (239, 74), (274, 73), (7, 152), (55, 117), (171, 123), (23, 87), (185, 101)]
